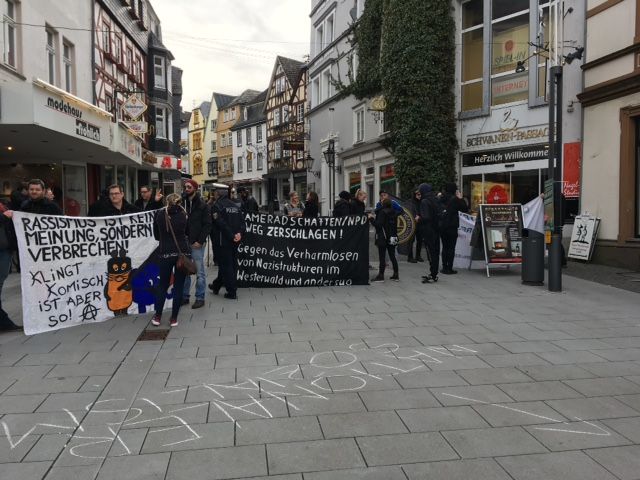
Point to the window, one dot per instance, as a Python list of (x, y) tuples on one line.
[(212, 168), (159, 72), (106, 38), (355, 63), (259, 134), (300, 112), (315, 92), (223, 140), (277, 150), (67, 60), (229, 139), (259, 161), (359, 126), (108, 103), (161, 123), (10, 37), (326, 84), (138, 69), (248, 135), (328, 30), (249, 162), (472, 54), (197, 141), (118, 52), (319, 38), (239, 164), (51, 55), (129, 66), (285, 113), (276, 117), (196, 117), (233, 113), (214, 125), (280, 85), (239, 138), (226, 115), (213, 145), (359, 7)]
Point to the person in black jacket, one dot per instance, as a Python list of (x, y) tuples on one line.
[(414, 207), (229, 226), (37, 203), (358, 203), (452, 203), (386, 223), (149, 200), (342, 208), (428, 223), (249, 204), (311, 206), (115, 205), (19, 196), (8, 245), (199, 228), (173, 217)]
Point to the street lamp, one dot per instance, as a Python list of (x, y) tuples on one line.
[(330, 158)]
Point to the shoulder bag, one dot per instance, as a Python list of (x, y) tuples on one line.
[(185, 264)]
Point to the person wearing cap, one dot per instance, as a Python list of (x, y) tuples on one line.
[(342, 208), (199, 227), (249, 204), (229, 227)]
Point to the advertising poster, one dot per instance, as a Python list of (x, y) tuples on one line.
[(502, 232), (583, 237)]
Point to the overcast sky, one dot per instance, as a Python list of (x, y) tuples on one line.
[(228, 46)]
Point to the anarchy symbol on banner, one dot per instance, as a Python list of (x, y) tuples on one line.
[(89, 312)]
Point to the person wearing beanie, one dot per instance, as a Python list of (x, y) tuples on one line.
[(452, 203), (199, 220), (342, 208)]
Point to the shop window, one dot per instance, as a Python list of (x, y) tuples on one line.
[(472, 54), (472, 191), (509, 46), (10, 34), (388, 180), (355, 182)]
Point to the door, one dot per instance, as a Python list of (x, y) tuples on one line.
[(75, 190)]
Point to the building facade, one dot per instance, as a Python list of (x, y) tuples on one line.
[(502, 62), (285, 107), (355, 127), (250, 149), (197, 126), (218, 102), (610, 187), (227, 118)]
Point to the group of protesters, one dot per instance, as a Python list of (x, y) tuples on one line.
[(184, 222)]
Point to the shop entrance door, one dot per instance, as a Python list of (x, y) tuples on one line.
[(75, 190)]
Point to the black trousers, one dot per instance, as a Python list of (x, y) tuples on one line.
[(449, 238), (391, 249), (227, 269), (431, 240), (417, 239), (167, 266)]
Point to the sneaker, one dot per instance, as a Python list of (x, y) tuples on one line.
[(185, 301), (412, 260), (434, 278), (198, 304), (155, 321), (445, 272), (214, 288), (453, 272), (231, 296), (395, 277), (420, 259), (426, 279), (378, 279), (173, 322)]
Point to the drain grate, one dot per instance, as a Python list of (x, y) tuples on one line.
[(153, 335)]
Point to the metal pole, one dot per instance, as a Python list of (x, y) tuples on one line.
[(555, 169)]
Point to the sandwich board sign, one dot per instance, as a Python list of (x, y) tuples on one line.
[(583, 237), (502, 233), (134, 107)]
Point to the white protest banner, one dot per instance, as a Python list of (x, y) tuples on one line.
[(463, 246), (533, 215), (77, 270)]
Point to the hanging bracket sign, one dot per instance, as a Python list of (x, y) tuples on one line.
[(134, 107), (138, 127)]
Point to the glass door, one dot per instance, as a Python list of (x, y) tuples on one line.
[(75, 190)]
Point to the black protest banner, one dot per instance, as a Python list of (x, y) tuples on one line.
[(280, 251)]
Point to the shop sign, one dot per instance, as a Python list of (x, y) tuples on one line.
[(172, 163), (511, 155), (502, 233), (498, 138), (571, 170), (139, 128), (134, 107), (86, 130), (509, 86)]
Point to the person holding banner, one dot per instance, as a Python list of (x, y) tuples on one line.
[(37, 202), (169, 222), (452, 203), (229, 226), (116, 204), (294, 208), (311, 206), (8, 244), (386, 223)]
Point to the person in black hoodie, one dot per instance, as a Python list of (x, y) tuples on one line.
[(229, 227), (115, 205), (37, 202), (428, 219), (311, 206), (172, 217), (342, 208), (386, 223), (249, 204), (452, 203), (199, 216)]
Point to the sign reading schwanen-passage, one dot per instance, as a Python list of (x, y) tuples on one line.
[(81, 270), (280, 251)]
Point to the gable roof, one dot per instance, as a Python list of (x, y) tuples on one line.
[(255, 112), (205, 108), (292, 69), (244, 98), (221, 100)]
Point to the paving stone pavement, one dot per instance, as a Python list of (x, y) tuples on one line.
[(472, 377)]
